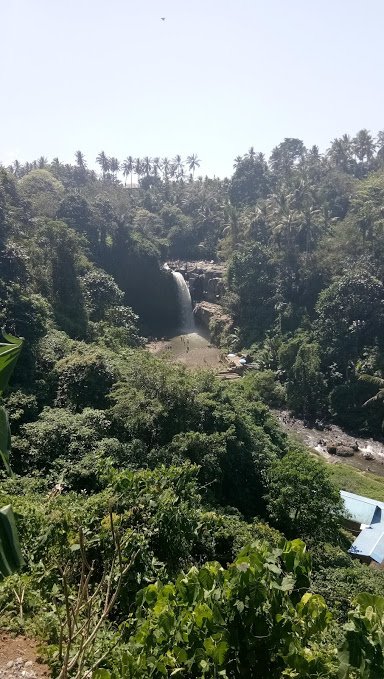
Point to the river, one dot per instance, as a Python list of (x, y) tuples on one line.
[(368, 457)]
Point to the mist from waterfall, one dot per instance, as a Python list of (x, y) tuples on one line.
[(184, 296)]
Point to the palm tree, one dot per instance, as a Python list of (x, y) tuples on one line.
[(114, 166), (238, 160), (80, 160), (178, 165), (103, 161), (377, 382), (363, 146), (156, 166), (147, 165), (138, 167), (166, 166), (193, 162), (127, 167), (55, 163), (16, 168), (341, 152), (42, 162)]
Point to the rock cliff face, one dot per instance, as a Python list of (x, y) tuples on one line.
[(205, 279), (213, 321), (206, 285)]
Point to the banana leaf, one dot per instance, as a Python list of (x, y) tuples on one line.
[(5, 440), (9, 353), (11, 558)]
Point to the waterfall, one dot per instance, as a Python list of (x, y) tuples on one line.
[(187, 318)]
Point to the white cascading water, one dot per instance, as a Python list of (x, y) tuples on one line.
[(187, 318)]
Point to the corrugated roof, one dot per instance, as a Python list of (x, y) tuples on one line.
[(362, 509), (370, 543)]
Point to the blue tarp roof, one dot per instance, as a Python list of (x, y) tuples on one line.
[(362, 509)]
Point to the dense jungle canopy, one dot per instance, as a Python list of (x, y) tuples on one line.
[(162, 513)]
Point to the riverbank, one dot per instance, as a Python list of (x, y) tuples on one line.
[(367, 455)]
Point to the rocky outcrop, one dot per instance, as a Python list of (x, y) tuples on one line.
[(212, 320), (205, 279)]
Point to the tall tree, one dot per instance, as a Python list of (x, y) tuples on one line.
[(127, 167), (286, 155), (193, 162), (363, 146), (80, 160), (156, 165), (166, 166), (178, 165), (103, 160), (340, 153), (114, 166), (138, 167), (147, 166)]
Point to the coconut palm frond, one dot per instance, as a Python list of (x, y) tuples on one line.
[(372, 379)]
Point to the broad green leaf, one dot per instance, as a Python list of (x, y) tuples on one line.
[(239, 605), (9, 353), (206, 578), (220, 652), (202, 612), (180, 654), (5, 439), (11, 558), (217, 651)]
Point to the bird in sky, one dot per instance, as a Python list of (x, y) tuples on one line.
[(162, 18)]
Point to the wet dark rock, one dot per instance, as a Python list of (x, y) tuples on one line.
[(344, 451)]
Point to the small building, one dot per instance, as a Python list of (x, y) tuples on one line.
[(364, 517)]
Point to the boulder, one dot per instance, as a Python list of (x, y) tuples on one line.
[(340, 450)]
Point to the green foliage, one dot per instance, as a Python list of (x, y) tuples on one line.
[(302, 498), (84, 379), (43, 191), (264, 385), (250, 181), (339, 579), (306, 388), (250, 283), (234, 622), (180, 458), (59, 437), (350, 316), (10, 554), (9, 353), (364, 647), (200, 418), (101, 294)]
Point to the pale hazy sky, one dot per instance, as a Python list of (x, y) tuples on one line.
[(215, 78)]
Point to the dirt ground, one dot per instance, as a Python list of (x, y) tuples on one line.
[(18, 658), (191, 350)]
